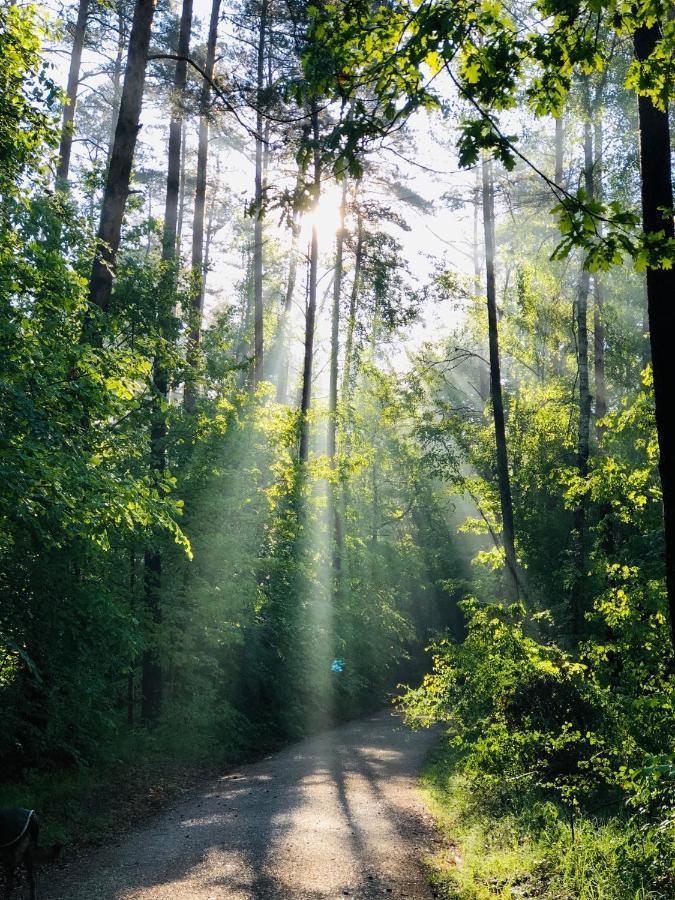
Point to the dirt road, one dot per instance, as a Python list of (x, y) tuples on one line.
[(335, 816)]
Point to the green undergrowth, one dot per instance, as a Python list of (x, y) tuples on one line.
[(138, 772), (87, 804), (529, 851)]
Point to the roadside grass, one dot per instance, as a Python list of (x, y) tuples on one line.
[(529, 852)]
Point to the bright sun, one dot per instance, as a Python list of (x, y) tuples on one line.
[(325, 215)]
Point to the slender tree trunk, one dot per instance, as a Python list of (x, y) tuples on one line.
[(181, 195), (198, 268), (657, 199), (152, 688), (348, 377), (284, 350), (306, 399), (71, 95), (170, 230), (559, 150), (116, 79), (333, 385), (335, 327), (258, 339), (483, 369), (121, 160), (210, 230), (599, 353), (585, 404), (503, 476), (131, 694), (583, 442), (348, 365), (599, 299)]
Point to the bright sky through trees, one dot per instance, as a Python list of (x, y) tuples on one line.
[(336, 371)]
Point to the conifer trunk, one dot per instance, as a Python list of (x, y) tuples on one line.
[(181, 195), (310, 318), (116, 79), (258, 206), (333, 385), (559, 150), (198, 267), (599, 298), (585, 404), (121, 160), (152, 685), (657, 198), (335, 327), (66, 145), (284, 352), (503, 477), (351, 319)]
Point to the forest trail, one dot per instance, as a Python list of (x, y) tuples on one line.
[(337, 815)]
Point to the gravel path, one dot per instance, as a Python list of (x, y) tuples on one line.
[(335, 816)]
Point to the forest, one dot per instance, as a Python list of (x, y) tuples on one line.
[(334, 371)]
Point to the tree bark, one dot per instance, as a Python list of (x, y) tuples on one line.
[(347, 373), (198, 269), (585, 403), (559, 150), (181, 194), (258, 206), (284, 351), (504, 479), (121, 160), (599, 299), (583, 436), (657, 199), (306, 398), (66, 145), (483, 369), (152, 667), (170, 230), (335, 327), (333, 384), (116, 79)]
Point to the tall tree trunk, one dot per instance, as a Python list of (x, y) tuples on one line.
[(348, 376), (657, 199), (152, 686), (208, 238), (559, 150), (335, 327), (599, 299), (258, 205), (198, 269), (181, 195), (585, 402), (504, 479), (296, 226), (170, 230), (71, 95), (333, 385), (116, 79), (483, 369), (347, 371), (306, 398), (121, 160)]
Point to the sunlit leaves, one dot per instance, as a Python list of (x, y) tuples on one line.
[(606, 232), (478, 136)]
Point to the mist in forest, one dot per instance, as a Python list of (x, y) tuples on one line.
[(335, 372)]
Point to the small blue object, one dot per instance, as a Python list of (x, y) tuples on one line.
[(338, 665)]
